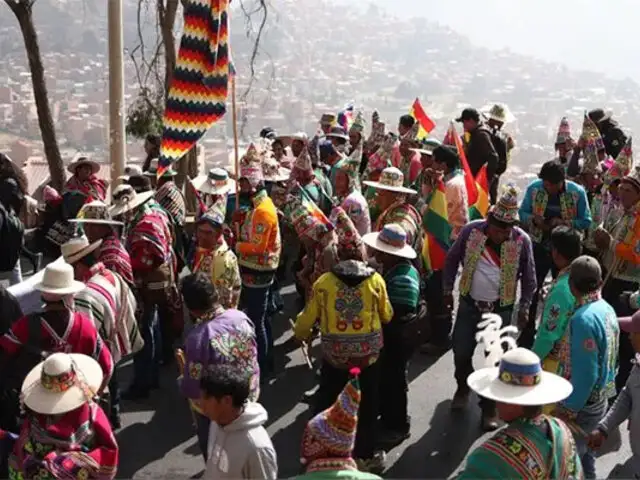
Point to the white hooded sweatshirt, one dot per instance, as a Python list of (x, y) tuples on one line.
[(242, 449)]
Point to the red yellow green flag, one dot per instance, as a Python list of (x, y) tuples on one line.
[(437, 238), (426, 124)]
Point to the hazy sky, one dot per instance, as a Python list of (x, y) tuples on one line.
[(593, 34)]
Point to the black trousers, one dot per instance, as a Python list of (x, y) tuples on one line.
[(332, 381), (611, 293), (394, 387), (544, 264)]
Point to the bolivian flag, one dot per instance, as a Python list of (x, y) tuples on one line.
[(426, 124), (437, 238)]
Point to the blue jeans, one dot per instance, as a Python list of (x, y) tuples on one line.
[(202, 432), (588, 419), (146, 361), (464, 338), (255, 301)]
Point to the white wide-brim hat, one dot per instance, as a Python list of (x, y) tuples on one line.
[(98, 209), (500, 114), (131, 201), (380, 241), (550, 389), (58, 279), (78, 248), (61, 383), (391, 179), (95, 166), (211, 186)]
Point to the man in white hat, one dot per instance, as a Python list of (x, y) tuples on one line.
[(59, 327), (85, 181), (532, 445), (497, 115), (109, 302), (391, 201), (65, 433), (96, 223), (495, 256), (149, 245), (403, 288)]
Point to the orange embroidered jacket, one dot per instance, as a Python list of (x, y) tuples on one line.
[(259, 245), (624, 257)]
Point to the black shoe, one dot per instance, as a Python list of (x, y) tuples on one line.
[(134, 393)]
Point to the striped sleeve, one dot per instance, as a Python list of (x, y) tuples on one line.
[(403, 288)]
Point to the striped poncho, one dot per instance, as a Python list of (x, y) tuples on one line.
[(77, 444), (110, 303)]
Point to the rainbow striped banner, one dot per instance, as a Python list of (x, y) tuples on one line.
[(198, 94)]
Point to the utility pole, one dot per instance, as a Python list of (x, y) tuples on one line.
[(117, 140)]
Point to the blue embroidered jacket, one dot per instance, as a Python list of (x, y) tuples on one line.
[(588, 354)]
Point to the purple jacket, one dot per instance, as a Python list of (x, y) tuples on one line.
[(228, 339), (526, 267)]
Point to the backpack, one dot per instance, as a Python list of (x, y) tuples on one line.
[(11, 239), (499, 141)]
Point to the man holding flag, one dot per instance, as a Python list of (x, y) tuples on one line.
[(479, 150), (442, 226)]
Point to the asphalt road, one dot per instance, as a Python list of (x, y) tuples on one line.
[(157, 438)]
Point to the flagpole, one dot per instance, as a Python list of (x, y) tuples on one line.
[(117, 146), (235, 138)]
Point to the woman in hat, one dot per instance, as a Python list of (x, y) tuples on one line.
[(65, 434), (96, 223), (532, 445), (212, 255), (378, 161), (351, 335), (403, 288), (85, 181), (304, 175), (391, 200)]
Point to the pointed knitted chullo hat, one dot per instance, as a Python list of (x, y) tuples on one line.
[(332, 433), (506, 210), (622, 164), (303, 162), (591, 134), (349, 240), (358, 123), (564, 132), (251, 166)]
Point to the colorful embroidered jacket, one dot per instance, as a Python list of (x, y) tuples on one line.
[(220, 338), (222, 265), (111, 305), (351, 304), (77, 444), (516, 263), (93, 188), (623, 257), (573, 209), (587, 354), (407, 217), (558, 309), (527, 449), (171, 199), (115, 257), (80, 336), (259, 245)]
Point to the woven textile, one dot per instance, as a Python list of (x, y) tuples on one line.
[(171, 199), (200, 84), (115, 257)]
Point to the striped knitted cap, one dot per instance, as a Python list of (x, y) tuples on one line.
[(332, 433)]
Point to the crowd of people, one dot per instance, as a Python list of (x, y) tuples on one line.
[(350, 217)]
